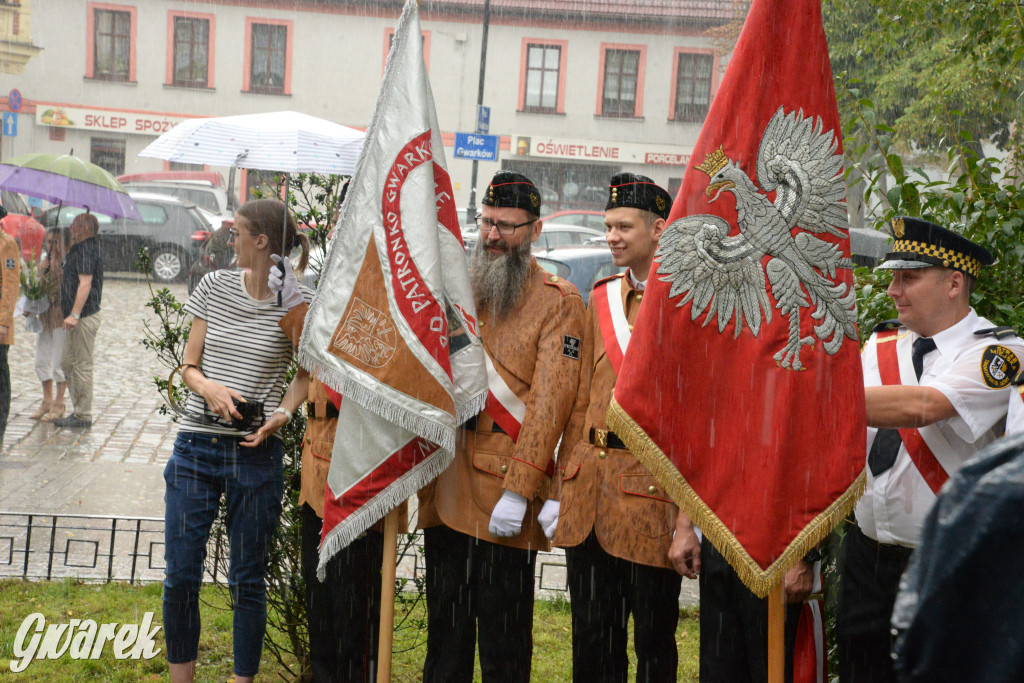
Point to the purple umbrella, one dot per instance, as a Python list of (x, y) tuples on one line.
[(64, 179)]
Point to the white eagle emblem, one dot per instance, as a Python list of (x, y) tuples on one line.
[(723, 274)]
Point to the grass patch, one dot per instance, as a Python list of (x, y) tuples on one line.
[(59, 602)]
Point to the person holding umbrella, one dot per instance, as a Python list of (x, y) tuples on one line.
[(81, 290), (50, 340)]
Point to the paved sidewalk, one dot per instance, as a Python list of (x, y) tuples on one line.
[(116, 466)]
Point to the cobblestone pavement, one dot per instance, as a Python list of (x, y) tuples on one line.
[(115, 468)]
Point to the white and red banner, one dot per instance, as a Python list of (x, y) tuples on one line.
[(392, 326), (741, 389)]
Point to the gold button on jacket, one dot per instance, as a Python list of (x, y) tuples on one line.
[(606, 489)]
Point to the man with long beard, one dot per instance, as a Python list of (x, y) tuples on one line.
[(484, 516)]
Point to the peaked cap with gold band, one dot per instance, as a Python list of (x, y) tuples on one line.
[(919, 243), (512, 190), (639, 192)]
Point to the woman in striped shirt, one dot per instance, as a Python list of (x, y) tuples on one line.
[(236, 352)]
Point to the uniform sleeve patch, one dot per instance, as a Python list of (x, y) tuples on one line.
[(571, 347), (999, 365), (10, 263)]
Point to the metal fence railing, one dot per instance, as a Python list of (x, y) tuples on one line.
[(95, 548)]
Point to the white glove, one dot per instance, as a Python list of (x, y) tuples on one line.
[(507, 517), (548, 517), (288, 286)]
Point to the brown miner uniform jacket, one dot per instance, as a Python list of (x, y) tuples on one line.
[(536, 351), (10, 260), (607, 489)]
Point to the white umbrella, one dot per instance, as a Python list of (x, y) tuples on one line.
[(285, 141)]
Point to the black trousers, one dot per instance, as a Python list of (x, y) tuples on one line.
[(5, 391), (734, 625), (869, 578), (343, 612), (605, 590), (474, 586)]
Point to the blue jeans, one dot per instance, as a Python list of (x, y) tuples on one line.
[(202, 468)]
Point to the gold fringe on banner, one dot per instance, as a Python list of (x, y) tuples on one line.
[(759, 581)]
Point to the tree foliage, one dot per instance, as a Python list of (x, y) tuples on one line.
[(933, 68)]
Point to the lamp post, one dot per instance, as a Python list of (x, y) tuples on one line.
[(471, 209)]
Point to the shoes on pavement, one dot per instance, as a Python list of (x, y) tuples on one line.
[(72, 422), (55, 412), (44, 408)]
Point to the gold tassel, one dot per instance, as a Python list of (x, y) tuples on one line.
[(760, 582)]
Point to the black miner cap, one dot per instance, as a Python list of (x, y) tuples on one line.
[(636, 191), (508, 189), (918, 243)]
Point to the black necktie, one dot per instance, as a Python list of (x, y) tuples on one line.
[(886, 445), (922, 347)]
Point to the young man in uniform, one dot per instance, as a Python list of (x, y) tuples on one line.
[(481, 514), (615, 520), (937, 387)]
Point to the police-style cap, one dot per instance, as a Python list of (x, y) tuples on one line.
[(514, 190), (632, 190), (918, 243)]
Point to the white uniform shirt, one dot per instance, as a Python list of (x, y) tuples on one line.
[(1015, 415), (896, 502)]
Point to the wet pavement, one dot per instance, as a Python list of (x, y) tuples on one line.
[(115, 468)]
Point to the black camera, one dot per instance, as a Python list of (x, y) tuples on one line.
[(252, 415)]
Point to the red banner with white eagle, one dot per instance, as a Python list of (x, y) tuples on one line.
[(741, 388), (392, 326)]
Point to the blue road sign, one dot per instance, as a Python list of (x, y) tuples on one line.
[(476, 147), (14, 99), (483, 119), (10, 124)]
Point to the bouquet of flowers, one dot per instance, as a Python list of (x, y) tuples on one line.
[(35, 292)]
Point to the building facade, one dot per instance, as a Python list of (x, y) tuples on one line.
[(577, 89)]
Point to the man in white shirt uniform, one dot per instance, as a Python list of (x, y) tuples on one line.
[(937, 387)]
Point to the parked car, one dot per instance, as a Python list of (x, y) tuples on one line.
[(586, 219), (20, 225), (582, 266), (555, 235), (213, 252), (204, 189), (172, 230)]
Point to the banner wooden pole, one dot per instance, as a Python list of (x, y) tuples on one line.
[(776, 635), (387, 597)]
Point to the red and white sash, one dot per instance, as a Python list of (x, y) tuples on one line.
[(935, 475), (810, 662), (611, 318), (504, 407)]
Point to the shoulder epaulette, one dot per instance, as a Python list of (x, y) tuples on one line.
[(561, 284), (997, 332), (886, 325), (610, 277)]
